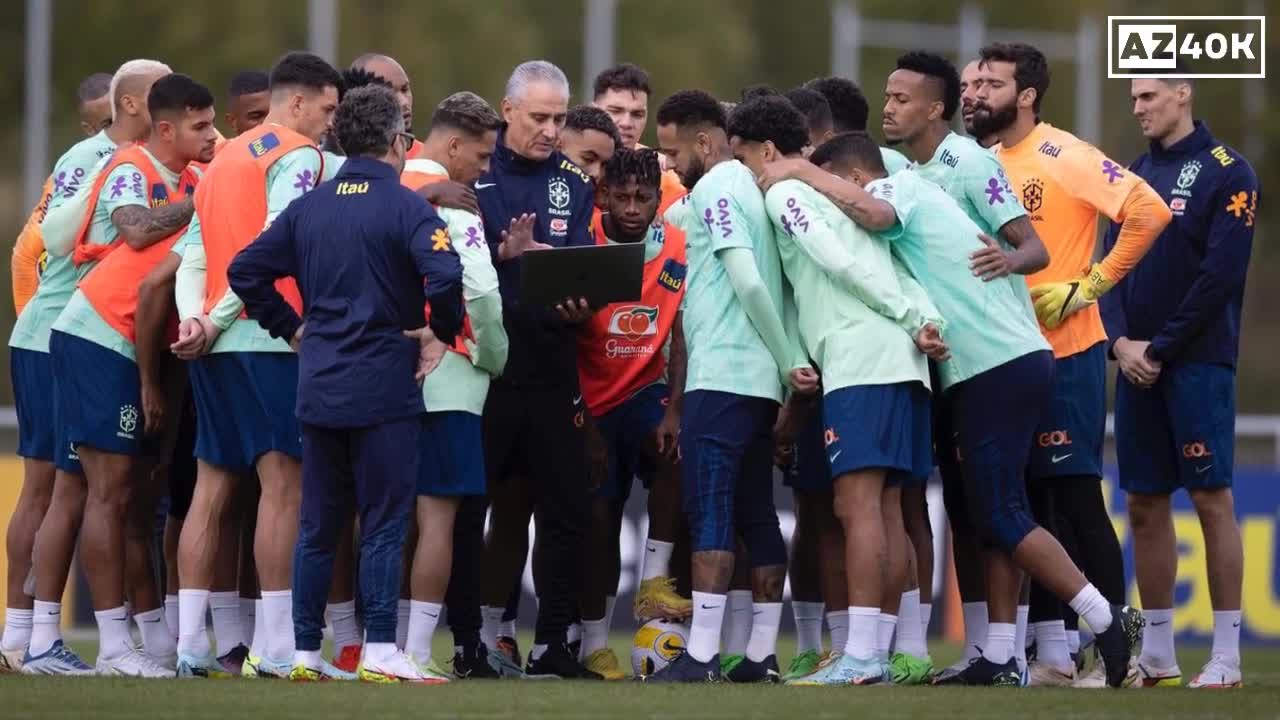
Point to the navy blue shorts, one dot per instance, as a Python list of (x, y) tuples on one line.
[(99, 397), (880, 426), (1178, 433), (628, 430), (32, 375), (726, 444), (994, 415), (809, 470), (1069, 438), (245, 404), (452, 455)]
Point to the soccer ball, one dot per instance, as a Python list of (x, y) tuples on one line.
[(656, 644)]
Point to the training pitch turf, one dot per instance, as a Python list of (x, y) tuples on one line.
[(26, 697)]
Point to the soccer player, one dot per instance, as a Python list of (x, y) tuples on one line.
[(139, 202), (1000, 379), (876, 408), (464, 131), (589, 139), (849, 111), (623, 92), (38, 472), (245, 381), (970, 80), (386, 68), (635, 408), (739, 356), (529, 417), (249, 97), (921, 97), (361, 347), (817, 113), (1175, 325), (42, 436), (1064, 184)]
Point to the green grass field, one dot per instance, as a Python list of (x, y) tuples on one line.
[(28, 697)]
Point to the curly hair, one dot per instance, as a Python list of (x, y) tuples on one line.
[(692, 108), (354, 77), (770, 118), (366, 121), (942, 75), (589, 117), (641, 164)]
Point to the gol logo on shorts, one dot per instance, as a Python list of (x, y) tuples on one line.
[(1057, 438), (829, 437), (1195, 450)]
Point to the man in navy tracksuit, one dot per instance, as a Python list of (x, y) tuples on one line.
[(1174, 325), (363, 249), (534, 414)]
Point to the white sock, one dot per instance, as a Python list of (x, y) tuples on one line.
[(423, 618), (342, 621), (277, 606), (573, 633), (259, 628), (156, 639), (657, 559), (1020, 635), (737, 623), (1092, 608), (171, 617), (975, 628), (46, 627), (766, 618), (490, 619), (884, 635), (375, 653), (838, 624), (535, 652), (808, 616), (507, 628), (248, 619), (1157, 638), (113, 632), (708, 616), (402, 622), (193, 640), (17, 629), (910, 631), (864, 622), (595, 636), (1051, 644), (308, 659), (224, 607), (926, 614), (1073, 642), (1226, 635), (999, 645)]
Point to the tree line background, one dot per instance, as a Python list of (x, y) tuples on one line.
[(718, 45)]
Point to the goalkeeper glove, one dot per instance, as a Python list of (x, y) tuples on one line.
[(1056, 301)]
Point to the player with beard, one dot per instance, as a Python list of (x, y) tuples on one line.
[(623, 92), (1065, 183), (970, 80)]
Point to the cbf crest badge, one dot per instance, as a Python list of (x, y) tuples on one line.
[(558, 194), (1187, 175)]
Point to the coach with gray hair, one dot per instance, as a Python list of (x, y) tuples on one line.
[(366, 252), (533, 418)]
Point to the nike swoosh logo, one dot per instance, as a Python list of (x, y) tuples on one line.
[(577, 399), (151, 622), (1067, 302), (481, 186), (54, 612), (652, 549), (1203, 470), (1161, 622), (1235, 624), (757, 612), (710, 607), (430, 615), (833, 457), (1057, 459)]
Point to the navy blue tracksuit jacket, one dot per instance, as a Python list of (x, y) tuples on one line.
[(1186, 294)]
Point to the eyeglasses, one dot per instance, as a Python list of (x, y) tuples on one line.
[(408, 138)]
